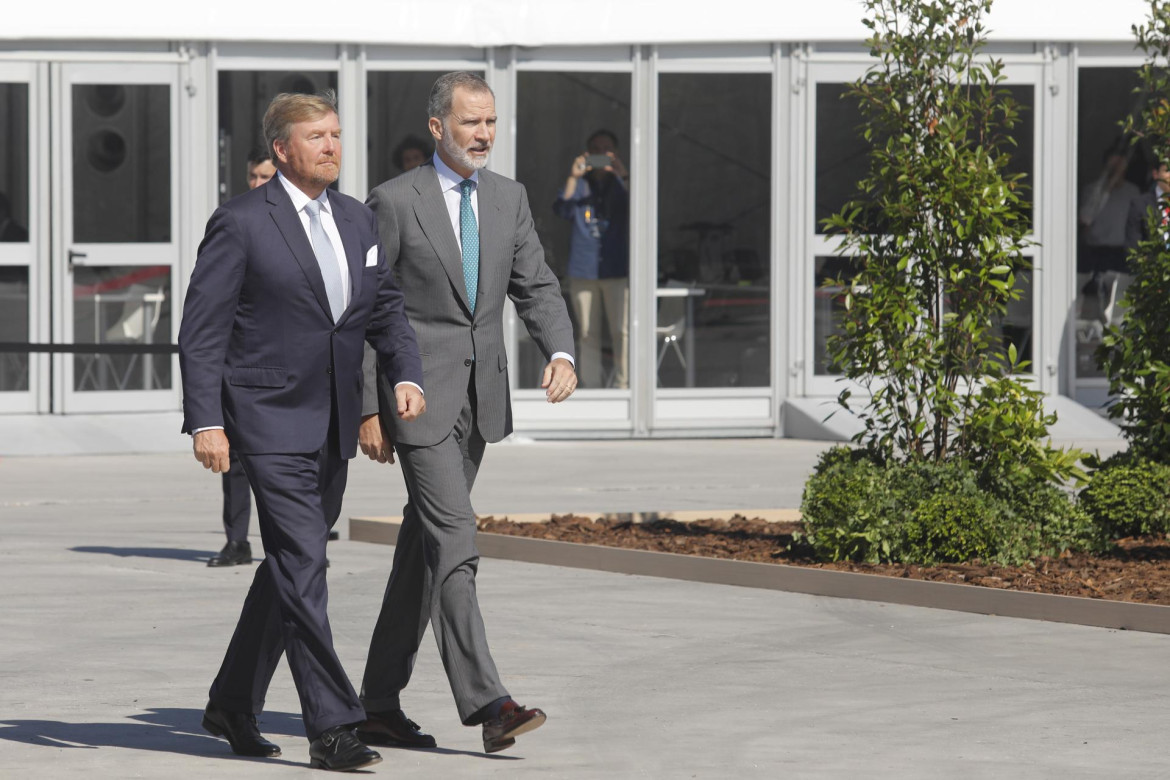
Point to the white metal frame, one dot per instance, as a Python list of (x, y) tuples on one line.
[(64, 76), (31, 255), (610, 411), (732, 410)]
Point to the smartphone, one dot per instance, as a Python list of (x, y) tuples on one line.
[(598, 161)]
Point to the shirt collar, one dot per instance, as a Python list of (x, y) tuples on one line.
[(448, 179), (300, 199)]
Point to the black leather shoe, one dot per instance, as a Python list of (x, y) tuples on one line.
[(232, 554), (239, 728), (501, 731), (339, 750), (334, 536), (393, 729)]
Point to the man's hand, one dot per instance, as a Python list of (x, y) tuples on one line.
[(374, 441), (411, 403), (617, 166), (211, 449), (559, 380)]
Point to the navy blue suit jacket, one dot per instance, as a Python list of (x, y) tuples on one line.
[(258, 349)]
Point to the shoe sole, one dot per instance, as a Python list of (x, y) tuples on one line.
[(381, 740), (219, 565), (508, 738), (212, 728), (317, 763)]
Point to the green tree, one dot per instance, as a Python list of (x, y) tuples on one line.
[(1136, 354), (935, 239)]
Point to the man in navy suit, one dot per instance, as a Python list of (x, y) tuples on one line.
[(290, 281)]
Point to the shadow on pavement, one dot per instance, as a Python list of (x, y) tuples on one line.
[(175, 730), (149, 552), (168, 730)]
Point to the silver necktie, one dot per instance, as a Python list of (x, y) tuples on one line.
[(327, 259)]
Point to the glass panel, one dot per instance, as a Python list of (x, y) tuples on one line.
[(581, 212), (714, 230), (121, 163), (1112, 173), (842, 153), (398, 139), (14, 164), (1014, 327), (122, 305), (828, 307), (13, 327), (244, 96)]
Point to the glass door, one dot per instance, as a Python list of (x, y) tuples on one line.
[(21, 242), (839, 158), (116, 219)]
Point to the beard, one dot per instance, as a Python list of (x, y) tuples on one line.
[(324, 175), (462, 156)]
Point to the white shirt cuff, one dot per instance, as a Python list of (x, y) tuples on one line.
[(564, 355), (208, 428), (412, 384)]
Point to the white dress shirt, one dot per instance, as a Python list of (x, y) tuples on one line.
[(449, 182)]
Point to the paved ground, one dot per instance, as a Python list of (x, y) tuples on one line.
[(112, 626)]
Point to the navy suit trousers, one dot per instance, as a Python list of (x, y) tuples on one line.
[(298, 500)]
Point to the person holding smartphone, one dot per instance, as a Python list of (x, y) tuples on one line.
[(596, 199)]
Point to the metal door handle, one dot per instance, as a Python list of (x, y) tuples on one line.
[(73, 255)]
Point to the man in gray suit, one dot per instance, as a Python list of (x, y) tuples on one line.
[(461, 241)]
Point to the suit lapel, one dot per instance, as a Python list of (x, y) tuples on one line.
[(491, 227), (289, 224), (434, 219), (353, 248)]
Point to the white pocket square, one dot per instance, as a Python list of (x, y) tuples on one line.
[(372, 256)]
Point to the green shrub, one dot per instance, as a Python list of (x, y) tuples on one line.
[(1129, 495), (927, 512), (952, 527), (846, 507)]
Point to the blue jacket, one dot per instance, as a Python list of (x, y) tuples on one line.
[(599, 246), (258, 349)]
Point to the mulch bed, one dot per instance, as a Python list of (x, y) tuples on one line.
[(1138, 570)]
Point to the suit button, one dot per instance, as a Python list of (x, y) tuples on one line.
[(467, 362), (329, 370)]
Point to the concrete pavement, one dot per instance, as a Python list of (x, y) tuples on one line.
[(112, 627)]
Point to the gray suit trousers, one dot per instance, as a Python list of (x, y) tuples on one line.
[(433, 578)]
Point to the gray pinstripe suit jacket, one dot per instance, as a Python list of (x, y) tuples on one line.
[(423, 252)]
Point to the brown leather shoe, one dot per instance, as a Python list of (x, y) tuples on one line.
[(393, 729), (501, 731)]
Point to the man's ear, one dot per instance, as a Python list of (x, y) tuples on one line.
[(280, 149), (435, 125)]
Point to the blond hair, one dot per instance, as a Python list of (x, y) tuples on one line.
[(289, 108)]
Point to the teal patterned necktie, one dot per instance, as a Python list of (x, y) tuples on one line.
[(469, 241)]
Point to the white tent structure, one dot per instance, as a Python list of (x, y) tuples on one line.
[(123, 124)]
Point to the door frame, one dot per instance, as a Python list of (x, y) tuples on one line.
[(63, 76)]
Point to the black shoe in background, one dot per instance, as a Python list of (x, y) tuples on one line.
[(232, 554), (240, 730)]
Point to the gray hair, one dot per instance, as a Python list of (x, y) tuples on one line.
[(289, 108), (443, 92)]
